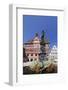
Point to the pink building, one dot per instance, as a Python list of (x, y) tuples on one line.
[(32, 48)]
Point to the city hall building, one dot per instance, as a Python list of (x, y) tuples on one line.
[(32, 48)]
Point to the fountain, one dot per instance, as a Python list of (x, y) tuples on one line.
[(42, 54)]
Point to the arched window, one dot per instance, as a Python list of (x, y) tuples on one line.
[(27, 59), (27, 54), (35, 54), (31, 59), (32, 54)]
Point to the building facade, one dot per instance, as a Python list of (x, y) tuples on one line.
[(32, 48), (53, 53)]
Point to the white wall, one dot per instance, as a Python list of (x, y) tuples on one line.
[(4, 38)]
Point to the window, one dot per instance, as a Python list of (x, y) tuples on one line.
[(31, 54), (35, 54), (27, 59), (31, 59), (27, 54)]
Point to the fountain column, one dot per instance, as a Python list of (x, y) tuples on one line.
[(42, 55)]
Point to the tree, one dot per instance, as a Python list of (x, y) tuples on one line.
[(25, 58)]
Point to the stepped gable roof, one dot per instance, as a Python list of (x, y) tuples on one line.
[(31, 41), (36, 38)]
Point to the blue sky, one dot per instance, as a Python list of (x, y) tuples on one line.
[(35, 24)]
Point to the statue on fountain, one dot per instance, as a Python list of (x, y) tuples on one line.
[(42, 55)]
